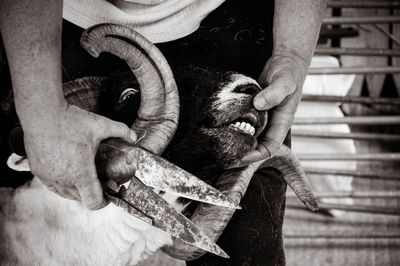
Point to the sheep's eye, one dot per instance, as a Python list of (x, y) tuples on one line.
[(128, 92)]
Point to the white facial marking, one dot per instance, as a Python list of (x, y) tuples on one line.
[(227, 96)]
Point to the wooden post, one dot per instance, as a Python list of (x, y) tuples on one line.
[(340, 135), (361, 20), (349, 120), (350, 99), (341, 234), (353, 70), (357, 51), (363, 4), (346, 207), (384, 175), (348, 156), (354, 194)]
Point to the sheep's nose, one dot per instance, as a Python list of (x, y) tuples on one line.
[(249, 89)]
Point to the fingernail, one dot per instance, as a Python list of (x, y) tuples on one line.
[(113, 185), (249, 158), (260, 103), (97, 205), (133, 136)]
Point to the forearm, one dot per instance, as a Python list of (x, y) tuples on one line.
[(31, 32), (296, 28)]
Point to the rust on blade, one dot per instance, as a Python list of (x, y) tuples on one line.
[(122, 160), (166, 218), (115, 198), (157, 172)]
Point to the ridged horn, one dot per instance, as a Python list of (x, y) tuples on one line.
[(158, 114), (212, 220), (286, 162)]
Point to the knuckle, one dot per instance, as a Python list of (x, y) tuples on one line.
[(290, 87), (271, 147), (102, 127), (83, 181)]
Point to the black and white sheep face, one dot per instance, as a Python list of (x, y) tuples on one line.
[(233, 124), (217, 113)]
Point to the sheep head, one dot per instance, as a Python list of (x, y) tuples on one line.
[(218, 125), (207, 142), (218, 115)]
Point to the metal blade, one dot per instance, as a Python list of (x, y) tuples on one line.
[(115, 198), (166, 218), (158, 173), (141, 201)]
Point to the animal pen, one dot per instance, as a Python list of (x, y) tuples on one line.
[(360, 222), (346, 134)]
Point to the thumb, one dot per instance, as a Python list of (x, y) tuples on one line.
[(114, 129), (90, 190), (274, 93)]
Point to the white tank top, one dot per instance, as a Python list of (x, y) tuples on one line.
[(157, 20)]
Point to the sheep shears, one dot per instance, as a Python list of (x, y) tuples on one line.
[(153, 172), (146, 171)]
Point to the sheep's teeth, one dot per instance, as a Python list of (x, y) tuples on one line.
[(245, 127)]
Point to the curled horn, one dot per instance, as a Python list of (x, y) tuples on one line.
[(293, 174), (212, 219), (158, 114)]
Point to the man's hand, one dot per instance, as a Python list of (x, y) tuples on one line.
[(295, 34), (61, 151), (283, 77), (60, 139)]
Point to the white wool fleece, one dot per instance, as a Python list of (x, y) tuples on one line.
[(39, 227)]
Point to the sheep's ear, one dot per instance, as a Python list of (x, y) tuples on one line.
[(18, 163)]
